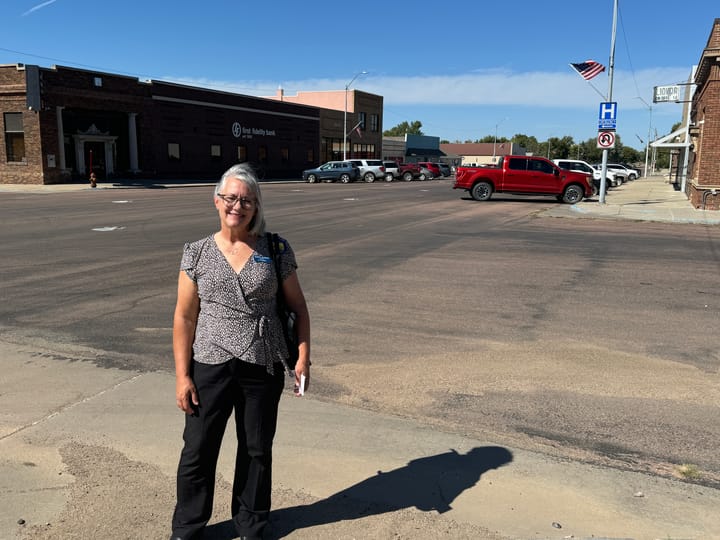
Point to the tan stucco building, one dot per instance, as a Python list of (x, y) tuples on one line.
[(357, 113)]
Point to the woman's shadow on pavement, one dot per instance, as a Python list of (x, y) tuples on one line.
[(428, 483)]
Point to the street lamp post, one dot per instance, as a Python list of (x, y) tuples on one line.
[(647, 145), (495, 139), (345, 133)]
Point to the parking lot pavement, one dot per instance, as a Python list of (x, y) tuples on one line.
[(645, 199)]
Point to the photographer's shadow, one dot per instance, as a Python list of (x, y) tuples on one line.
[(428, 483)]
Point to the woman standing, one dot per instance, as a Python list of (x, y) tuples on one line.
[(230, 355)]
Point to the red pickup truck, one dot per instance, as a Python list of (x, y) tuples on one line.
[(523, 175)]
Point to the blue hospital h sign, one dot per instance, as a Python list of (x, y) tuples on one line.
[(607, 118)]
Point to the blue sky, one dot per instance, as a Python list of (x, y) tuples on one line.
[(464, 69)]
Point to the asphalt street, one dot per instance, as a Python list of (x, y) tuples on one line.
[(562, 354)]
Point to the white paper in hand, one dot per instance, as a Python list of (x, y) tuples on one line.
[(301, 389)]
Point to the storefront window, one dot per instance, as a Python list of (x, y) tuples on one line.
[(174, 151), (14, 137)]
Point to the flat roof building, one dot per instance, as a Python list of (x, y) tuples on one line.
[(59, 124)]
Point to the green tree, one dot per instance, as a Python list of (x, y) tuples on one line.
[(528, 142), (555, 148), (413, 128)]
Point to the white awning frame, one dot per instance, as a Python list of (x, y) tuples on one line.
[(664, 142)]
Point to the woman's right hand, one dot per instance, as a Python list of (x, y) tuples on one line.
[(186, 395)]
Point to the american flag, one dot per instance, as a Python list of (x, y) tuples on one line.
[(588, 69)]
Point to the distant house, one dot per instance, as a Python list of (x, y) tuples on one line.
[(460, 154)]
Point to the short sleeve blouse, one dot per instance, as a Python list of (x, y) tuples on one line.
[(238, 311)]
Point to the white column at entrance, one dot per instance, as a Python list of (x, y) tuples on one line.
[(79, 155), (132, 142), (61, 137)]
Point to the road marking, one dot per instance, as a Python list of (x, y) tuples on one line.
[(107, 229)]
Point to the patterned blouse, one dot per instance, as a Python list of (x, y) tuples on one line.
[(238, 311)]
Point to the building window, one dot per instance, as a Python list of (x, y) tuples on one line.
[(363, 150), (374, 122), (97, 81), (174, 151), (242, 154), (361, 120), (215, 151), (310, 156), (262, 154), (14, 137), (285, 155)]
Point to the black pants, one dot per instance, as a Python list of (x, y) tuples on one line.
[(254, 395)]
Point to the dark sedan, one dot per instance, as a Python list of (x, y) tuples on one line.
[(332, 171)]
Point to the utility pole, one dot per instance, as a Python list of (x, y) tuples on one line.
[(611, 69)]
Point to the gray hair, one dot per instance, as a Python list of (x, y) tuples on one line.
[(245, 173)]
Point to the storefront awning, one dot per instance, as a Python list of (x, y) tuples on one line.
[(424, 152)]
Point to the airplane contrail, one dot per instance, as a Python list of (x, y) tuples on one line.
[(39, 6)]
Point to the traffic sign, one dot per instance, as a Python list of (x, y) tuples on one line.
[(607, 117), (606, 139)]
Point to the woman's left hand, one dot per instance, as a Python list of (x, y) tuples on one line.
[(302, 367)]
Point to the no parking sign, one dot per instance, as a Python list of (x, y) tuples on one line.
[(606, 139)]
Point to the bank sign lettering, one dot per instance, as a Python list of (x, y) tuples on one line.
[(239, 131)]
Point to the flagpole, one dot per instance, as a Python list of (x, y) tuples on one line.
[(611, 69), (598, 91)]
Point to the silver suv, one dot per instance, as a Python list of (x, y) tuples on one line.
[(370, 169)]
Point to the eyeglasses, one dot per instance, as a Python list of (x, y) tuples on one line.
[(232, 200)]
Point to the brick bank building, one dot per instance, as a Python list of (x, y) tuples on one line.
[(60, 123)]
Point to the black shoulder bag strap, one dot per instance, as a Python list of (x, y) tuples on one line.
[(287, 317)]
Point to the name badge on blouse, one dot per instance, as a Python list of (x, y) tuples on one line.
[(262, 259)]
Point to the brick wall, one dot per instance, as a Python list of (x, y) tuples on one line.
[(706, 118), (13, 100)]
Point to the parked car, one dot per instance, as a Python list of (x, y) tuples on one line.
[(392, 170), (631, 173), (637, 170), (370, 169), (524, 175), (616, 176), (411, 171), (444, 169), (584, 167), (332, 171), (432, 167)]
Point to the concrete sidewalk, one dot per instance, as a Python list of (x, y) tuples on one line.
[(86, 450), (645, 199)]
